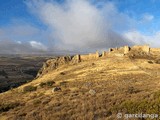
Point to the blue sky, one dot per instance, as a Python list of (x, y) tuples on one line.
[(60, 25)]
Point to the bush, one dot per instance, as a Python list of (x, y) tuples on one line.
[(151, 62), (42, 84), (132, 90), (36, 102), (47, 84), (150, 105), (62, 73), (4, 107), (63, 83), (29, 88), (157, 61), (50, 83)]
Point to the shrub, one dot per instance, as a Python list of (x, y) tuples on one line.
[(132, 90), (29, 88), (50, 83), (4, 107), (63, 83), (151, 62), (62, 73), (42, 84), (47, 84), (36, 102), (157, 61)]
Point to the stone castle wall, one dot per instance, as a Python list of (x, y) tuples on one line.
[(89, 56), (155, 50), (113, 52), (126, 49), (144, 48), (104, 54)]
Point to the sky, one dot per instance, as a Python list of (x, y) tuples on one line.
[(77, 26)]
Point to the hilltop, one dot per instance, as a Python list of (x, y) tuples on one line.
[(89, 87)]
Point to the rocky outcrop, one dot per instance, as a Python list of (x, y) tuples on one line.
[(53, 64), (76, 59)]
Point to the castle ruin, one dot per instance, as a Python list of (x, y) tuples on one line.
[(113, 52)]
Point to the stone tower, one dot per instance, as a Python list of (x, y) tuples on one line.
[(126, 49)]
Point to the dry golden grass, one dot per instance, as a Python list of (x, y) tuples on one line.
[(119, 84)]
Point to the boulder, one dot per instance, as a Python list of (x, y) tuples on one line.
[(92, 92), (55, 89)]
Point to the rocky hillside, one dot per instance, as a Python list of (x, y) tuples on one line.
[(88, 89)]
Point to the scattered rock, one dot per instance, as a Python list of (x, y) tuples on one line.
[(92, 92), (46, 101), (88, 84), (55, 89)]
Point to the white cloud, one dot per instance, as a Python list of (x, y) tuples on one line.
[(79, 25), (19, 42), (18, 38), (38, 45), (147, 17), (141, 39), (17, 47)]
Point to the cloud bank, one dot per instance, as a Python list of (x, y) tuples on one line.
[(19, 38), (78, 25), (12, 47), (141, 39)]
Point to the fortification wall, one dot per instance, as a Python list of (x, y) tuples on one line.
[(76, 59), (144, 48), (90, 56), (84, 57), (118, 52), (104, 54), (126, 49), (155, 49), (93, 55)]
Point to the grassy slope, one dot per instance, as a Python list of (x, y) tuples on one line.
[(121, 85)]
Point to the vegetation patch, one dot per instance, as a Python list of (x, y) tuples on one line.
[(47, 84), (4, 107), (157, 61), (149, 105), (151, 62), (29, 88), (132, 90)]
